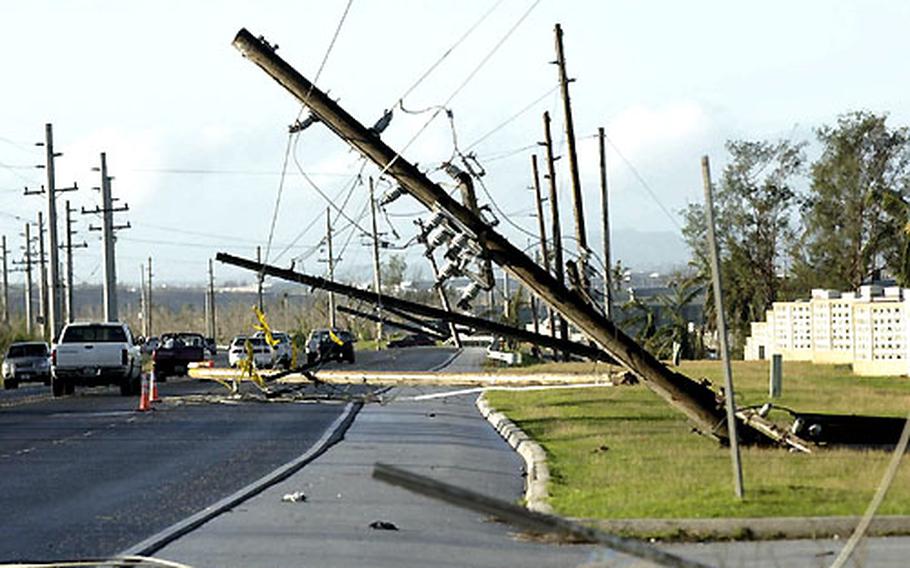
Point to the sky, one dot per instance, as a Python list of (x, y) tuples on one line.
[(196, 136)]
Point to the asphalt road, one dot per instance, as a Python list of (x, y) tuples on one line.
[(87, 476)]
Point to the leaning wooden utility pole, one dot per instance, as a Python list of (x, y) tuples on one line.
[(377, 273), (542, 227), (558, 265), (695, 399), (605, 205), (581, 235), (729, 402)]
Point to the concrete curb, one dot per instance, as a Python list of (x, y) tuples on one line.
[(537, 473), (332, 436), (769, 528)]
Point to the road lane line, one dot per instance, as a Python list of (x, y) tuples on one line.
[(333, 434)]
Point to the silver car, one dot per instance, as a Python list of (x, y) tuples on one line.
[(26, 361)]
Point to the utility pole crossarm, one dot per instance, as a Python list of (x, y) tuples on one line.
[(694, 399)]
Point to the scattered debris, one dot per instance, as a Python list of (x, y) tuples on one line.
[(431, 414), (295, 497), (383, 526), (627, 378)]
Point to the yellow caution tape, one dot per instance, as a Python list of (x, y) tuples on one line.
[(335, 338), (264, 327)]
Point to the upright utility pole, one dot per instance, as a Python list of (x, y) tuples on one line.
[(558, 266), (5, 283), (331, 261), (729, 402), (29, 313), (259, 281), (377, 277), (148, 299), (542, 227), (70, 306), (143, 308), (211, 296), (605, 203), (505, 293), (42, 282), (107, 229), (580, 233)]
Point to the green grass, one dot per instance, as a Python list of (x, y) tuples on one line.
[(621, 452)]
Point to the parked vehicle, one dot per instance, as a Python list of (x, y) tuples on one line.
[(176, 352), (283, 350), (411, 340), (263, 354), (26, 361), (327, 344), (95, 354)]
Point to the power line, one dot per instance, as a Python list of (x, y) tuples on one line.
[(644, 183), (507, 121), (463, 37)]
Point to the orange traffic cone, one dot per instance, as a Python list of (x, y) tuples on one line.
[(144, 404), (153, 388)]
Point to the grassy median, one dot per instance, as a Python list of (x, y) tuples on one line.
[(621, 452)]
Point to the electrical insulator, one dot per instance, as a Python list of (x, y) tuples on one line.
[(451, 269), (391, 195), (434, 221), (440, 237), (458, 246), (471, 292)]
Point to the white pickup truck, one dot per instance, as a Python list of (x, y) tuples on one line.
[(95, 354)]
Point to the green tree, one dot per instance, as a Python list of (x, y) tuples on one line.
[(392, 271), (851, 228), (754, 202)]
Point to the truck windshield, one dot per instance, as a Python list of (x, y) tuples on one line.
[(94, 334)]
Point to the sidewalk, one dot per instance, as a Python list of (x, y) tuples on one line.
[(443, 438)]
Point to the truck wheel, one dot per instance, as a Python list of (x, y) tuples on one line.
[(57, 386), (11, 383), (69, 387)]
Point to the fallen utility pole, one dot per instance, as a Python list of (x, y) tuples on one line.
[(421, 323), (580, 233), (505, 330), (392, 323), (529, 520), (694, 399)]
